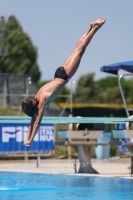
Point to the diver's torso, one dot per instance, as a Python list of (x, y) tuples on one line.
[(50, 91)]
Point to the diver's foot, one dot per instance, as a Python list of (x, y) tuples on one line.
[(98, 23), (27, 144)]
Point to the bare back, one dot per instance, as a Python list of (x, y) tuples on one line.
[(49, 91)]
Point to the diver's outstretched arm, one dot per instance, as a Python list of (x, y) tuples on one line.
[(34, 127), (30, 128)]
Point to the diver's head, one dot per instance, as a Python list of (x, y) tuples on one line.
[(29, 106)]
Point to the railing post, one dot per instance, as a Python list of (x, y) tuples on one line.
[(38, 161)]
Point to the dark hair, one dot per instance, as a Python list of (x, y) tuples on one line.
[(29, 106)]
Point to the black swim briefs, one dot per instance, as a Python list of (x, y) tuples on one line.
[(61, 73)]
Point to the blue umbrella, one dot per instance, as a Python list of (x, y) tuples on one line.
[(114, 68)]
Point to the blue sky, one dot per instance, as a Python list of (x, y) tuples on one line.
[(54, 27)]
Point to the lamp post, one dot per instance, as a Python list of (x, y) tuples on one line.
[(27, 85), (4, 49), (5, 91), (3, 36), (69, 149), (71, 96)]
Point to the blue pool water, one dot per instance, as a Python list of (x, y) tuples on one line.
[(27, 186)]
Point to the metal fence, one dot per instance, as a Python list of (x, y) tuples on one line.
[(13, 88)]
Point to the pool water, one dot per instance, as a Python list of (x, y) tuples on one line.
[(27, 186)]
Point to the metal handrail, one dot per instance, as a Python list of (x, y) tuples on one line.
[(122, 93)]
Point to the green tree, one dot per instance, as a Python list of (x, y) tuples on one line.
[(107, 82), (102, 91), (86, 90), (110, 92), (22, 55)]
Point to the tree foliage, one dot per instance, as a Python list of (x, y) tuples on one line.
[(86, 89), (22, 55), (110, 89), (102, 91)]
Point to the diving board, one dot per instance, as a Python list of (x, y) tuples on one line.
[(76, 134), (67, 120), (122, 134)]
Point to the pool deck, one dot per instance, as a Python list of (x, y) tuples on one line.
[(110, 168)]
